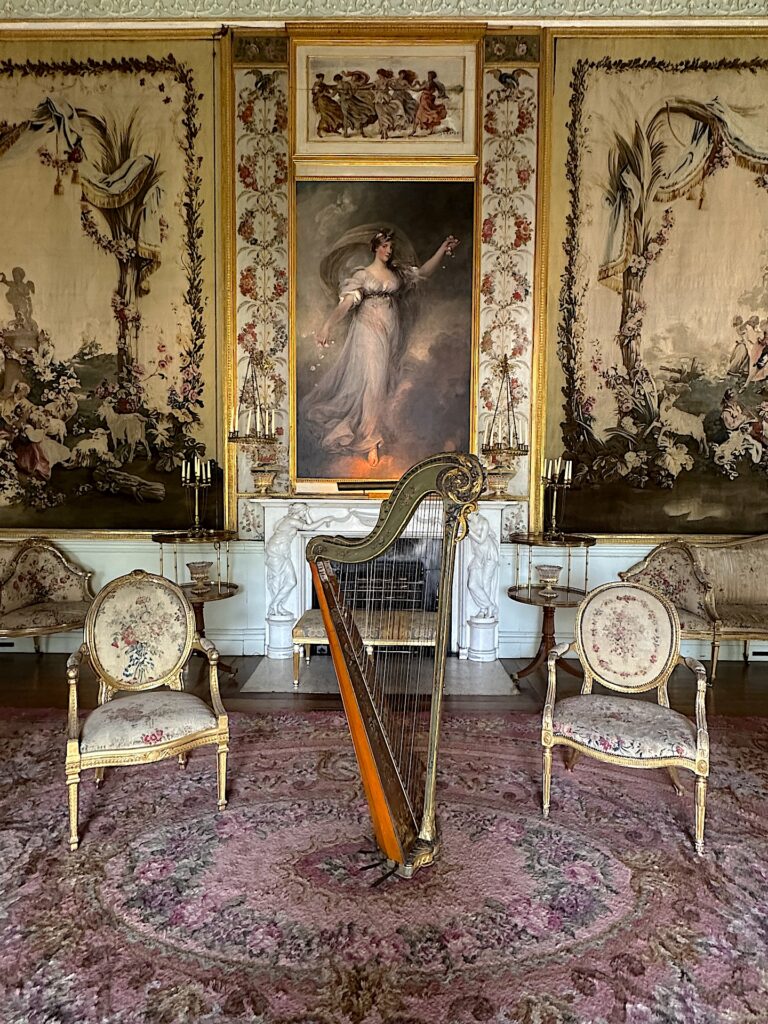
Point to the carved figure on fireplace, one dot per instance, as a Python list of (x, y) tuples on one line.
[(281, 574), (483, 568)]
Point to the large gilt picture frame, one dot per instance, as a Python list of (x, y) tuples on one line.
[(658, 302), (385, 99), (382, 343), (108, 378)]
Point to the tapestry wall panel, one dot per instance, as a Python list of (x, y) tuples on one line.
[(107, 321), (658, 298)]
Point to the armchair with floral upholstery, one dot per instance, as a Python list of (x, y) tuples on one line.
[(628, 640), (139, 634)]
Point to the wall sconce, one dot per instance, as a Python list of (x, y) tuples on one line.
[(504, 437)]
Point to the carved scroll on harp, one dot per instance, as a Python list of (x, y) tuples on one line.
[(391, 592)]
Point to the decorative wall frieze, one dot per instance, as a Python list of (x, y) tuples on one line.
[(261, 190), (226, 10), (507, 238)]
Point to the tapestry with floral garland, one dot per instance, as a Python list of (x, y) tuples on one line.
[(658, 298), (107, 320)]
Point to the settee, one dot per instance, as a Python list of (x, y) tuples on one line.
[(41, 590), (719, 588)]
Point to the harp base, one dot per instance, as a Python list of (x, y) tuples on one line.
[(421, 855)]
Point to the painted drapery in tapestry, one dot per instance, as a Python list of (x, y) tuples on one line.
[(658, 328), (106, 328)]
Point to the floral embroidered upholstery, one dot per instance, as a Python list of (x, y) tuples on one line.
[(720, 589), (144, 719), (625, 726), (626, 636), (41, 591), (38, 575), (48, 615), (140, 632)]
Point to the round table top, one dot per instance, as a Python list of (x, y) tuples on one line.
[(564, 597), (185, 537), (563, 540), (216, 592)]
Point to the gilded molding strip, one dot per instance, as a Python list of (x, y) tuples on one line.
[(136, 10)]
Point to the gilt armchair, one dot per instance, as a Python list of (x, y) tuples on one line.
[(139, 635), (628, 639)]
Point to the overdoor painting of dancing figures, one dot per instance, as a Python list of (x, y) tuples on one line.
[(658, 328), (107, 368), (386, 101), (383, 325)]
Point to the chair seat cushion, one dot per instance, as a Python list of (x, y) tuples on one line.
[(46, 615), (690, 622), (752, 617), (625, 727), (144, 719)]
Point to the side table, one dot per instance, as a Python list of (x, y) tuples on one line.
[(568, 596), (215, 592), (220, 587)]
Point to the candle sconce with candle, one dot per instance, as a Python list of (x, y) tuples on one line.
[(503, 439), (196, 477), (557, 479), (254, 419)]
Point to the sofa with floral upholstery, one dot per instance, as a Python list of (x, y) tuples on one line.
[(720, 588), (41, 590)]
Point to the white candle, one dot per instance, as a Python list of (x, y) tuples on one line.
[(568, 471), (258, 419), (272, 421), (558, 466), (248, 424), (184, 472)]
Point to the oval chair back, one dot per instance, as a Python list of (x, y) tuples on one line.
[(627, 636), (139, 632)]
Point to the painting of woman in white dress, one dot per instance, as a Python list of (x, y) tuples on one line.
[(377, 371)]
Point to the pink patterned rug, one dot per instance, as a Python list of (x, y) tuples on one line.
[(170, 912)]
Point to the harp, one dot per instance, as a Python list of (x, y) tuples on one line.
[(390, 592)]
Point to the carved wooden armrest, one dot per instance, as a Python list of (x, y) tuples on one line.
[(549, 703), (702, 734), (74, 662), (203, 644)]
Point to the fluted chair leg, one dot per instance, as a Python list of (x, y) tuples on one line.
[(546, 780), (222, 775), (183, 759), (73, 780), (98, 776), (701, 808)]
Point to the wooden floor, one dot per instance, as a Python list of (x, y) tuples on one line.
[(39, 681)]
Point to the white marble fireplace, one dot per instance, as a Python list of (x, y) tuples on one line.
[(289, 523)]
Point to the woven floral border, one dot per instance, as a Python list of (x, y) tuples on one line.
[(507, 243), (262, 253)]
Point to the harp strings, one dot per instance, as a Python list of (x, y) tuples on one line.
[(389, 606)]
